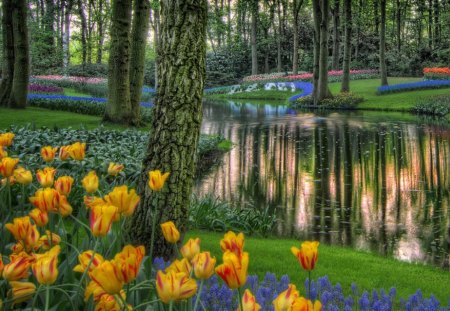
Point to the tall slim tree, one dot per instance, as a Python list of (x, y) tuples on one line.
[(383, 68), (176, 121), (336, 34), (345, 87), (254, 8), (297, 5)]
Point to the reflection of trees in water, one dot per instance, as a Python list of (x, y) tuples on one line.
[(384, 188)]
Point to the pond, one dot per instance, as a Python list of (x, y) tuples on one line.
[(372, 181)]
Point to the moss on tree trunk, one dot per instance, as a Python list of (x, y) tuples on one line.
[(176, 121)]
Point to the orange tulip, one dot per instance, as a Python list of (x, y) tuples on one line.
[(233, 243), (64, 152), (6, 139), (48, 153), (45, 268), (22, 291), (77, 151), (307, 255), (17, 269), (234, 269), (7, 166), (108, 276), (39, 217), (47, 200), (126, 201), (64, 208), (203, 265), (84, 259), (102, 217), (114, 168), (249, 302), (303, 304), (3, 152), (170, 232), (190, 249), (285, 300), (90, 182), (180, 266), (129, 261), (23, 176), (47, 237), (174, 286), (64, 185), (156, 180), (46, 176)]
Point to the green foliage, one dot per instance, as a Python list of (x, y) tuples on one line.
[(211, 214), (346, 101), (435, 105)]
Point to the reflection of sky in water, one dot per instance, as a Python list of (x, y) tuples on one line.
[(343, 179)]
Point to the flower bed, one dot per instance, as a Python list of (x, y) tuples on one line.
[(436, 73), (42, 88), (413, 86), (333, 76)]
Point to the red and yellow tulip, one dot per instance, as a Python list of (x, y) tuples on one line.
[(114, 168), (182, 265), (101, 219), (46, 176), (7, 166), (64, 208), (307, 255), (46, 199), (47, 237), (108, 276), (6, 139), (84, 259), (249, 302), (284, 301), (125, 201), (22, 291), (19, 228), (23, 176), (156, 180), (3, 152), (64, 185), (17, 269), (129, 261), (45, 269), (190, 249), (64, 153), (303, 304), (48, 153), (203, 265), (90, 182), (39, 217), (173, 286), (77, 151), (233, 243), (234, 269), (170, 232)]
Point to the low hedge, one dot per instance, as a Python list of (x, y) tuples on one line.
[(347, 101), (435, 105)]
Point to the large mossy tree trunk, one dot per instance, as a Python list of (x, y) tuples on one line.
[(345, 87), (118, 108), (19, 91), (176, 122), (139, 33), (8, 52), (383, 69)]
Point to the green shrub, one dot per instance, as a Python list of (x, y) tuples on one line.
[(346, 101), (435, 105)]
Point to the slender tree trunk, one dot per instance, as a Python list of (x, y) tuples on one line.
[(376, 17), (253, 37), (157, 28), (383, 69), (336, 35), (347, 46), (66, 37), (19, 91), (100, 33), (83, 31), (398, 23), (8, 52), (229, 23), (323, 91), (437, 25), (89, 33), (297, 6), (139, 34), (176, 122), (118, 108), (316, 41), (280, 31), (430, 24)]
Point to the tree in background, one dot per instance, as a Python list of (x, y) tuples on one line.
[(345, 87), (14, 84), (383, 68), (176, 122), (297, 5)]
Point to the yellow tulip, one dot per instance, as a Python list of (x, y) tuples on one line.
[(6, 139), (129, 261), (48, 153), (91, 201), (90, 182), (303, 304), (3, 152), (23, 176), (180, 266), (114, 168), (108, 276), (64, 208), (47, 200), (39, 217), (233, 243), (64, 152), (84, 259), (190, 249), (22, 291), (126, 201), (103, 301), (110, 303), (17, 269), (284, 301), (307, 255), (234, 269), (102, 217), (170, 232), (7, 166), (45, 239), (64, 185), (174, 286), (203, 265), (45, 269), (77, 151), (95, 290), (46, 176), (249, 302), (20, 227), (156, 180)]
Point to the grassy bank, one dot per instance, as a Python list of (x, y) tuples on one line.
[(342, 265)]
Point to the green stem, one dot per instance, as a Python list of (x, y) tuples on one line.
[(171, 305), (47, 297), (241, 306), (8, 187), (86, 271), (198, 295), (309, 280)]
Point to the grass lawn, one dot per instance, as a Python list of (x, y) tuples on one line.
[(341, 265), (73, 92)]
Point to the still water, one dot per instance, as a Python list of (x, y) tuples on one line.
[(366, 180)]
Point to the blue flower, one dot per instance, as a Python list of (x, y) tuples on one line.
[(413, 86)]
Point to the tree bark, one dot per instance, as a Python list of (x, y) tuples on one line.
[(118, 108), (383, 69), (176, 122), (101, 34), (253, 37), (345, 87), (8, 52), (316, 49), (297, 6), (323, 91), (83, 31), (280, 31), (66, 37), (336, 35), (139, 34)]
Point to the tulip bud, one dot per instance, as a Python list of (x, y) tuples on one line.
[(170, 232), (46, 176), (49, 236), (101, 219), (233, 243), (6, 139), (77, 151), (22, 291), (125, 201), (114, 168), (203, 265), (129, 261), (174, 286), (284, 301), (156, 180), (47, 200), (249, 302), (64, 152), (64, 208), (48, 153), (90, 182), (17, 269), (108, 276), (84, 259), (234, 269), (180, 266)]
